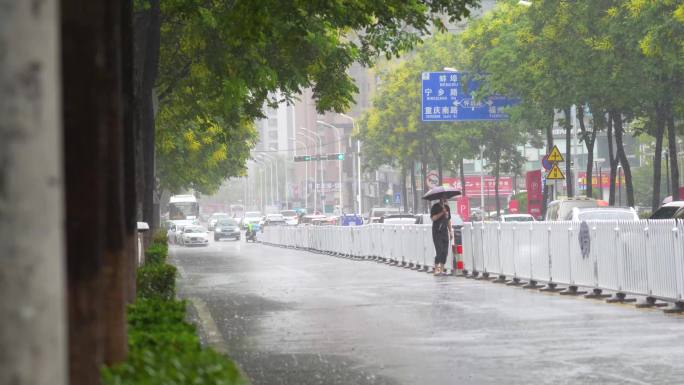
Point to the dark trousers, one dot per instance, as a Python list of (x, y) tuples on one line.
[(441, 248)]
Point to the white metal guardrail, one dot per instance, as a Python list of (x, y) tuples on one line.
[(631, 257), (643, 258), (407, 245)]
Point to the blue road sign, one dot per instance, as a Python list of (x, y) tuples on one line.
[(397, 197), (446, 98)]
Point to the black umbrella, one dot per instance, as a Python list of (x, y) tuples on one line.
[(441, 191)]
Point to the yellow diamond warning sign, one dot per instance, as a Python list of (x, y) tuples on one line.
[(555, 156), (555, 173)]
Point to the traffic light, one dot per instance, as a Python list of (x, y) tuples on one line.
[(302, 158), (339, 156), (387, 199)]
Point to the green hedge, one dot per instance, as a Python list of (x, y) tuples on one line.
[(156, 280), (160, 237), (156, 253), (164, 350)]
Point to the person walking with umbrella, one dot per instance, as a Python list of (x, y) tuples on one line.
[(442, 232)]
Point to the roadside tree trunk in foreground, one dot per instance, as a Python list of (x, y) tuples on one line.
[(94, 174), (32, 305)]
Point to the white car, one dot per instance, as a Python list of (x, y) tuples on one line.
[(251, 217), (176, 229), (516, 218), (603, 214), (195, 235), (291, 217)]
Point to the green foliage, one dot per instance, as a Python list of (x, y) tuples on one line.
[(160, 238), (164, 349), (156, 280), (221, 62), (156, 253), (521, 197)]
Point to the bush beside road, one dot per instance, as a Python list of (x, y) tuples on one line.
[(163, 347)]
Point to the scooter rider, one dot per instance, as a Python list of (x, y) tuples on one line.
[(251, 234)]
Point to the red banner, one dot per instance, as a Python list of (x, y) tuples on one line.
[(463, 207), (535, 195), (473, 185), (604, 178)]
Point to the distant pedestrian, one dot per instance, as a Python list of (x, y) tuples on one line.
[(442, 232)]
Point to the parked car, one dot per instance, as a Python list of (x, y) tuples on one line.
[(672, 210), (378, 212), (325, 221), (310, 218), (291, 217), (559, 210), (215, 217), (516, 218), (398, 219), (253, 217), (603, 214), (195, 235), (227, 228)]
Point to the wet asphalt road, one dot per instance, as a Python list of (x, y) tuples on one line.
[(299, 318)]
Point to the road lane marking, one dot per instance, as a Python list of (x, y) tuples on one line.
[(214, 337)]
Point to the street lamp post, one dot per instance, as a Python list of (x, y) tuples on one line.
[(270, 176), (358, 165), (315, 189), (274, 160), (320, 164), (339, 161)]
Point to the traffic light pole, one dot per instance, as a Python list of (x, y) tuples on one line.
[(358, 165), (306, 173), (311, 137), (339, 164), (320, 163)]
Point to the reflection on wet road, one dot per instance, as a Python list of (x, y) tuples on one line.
[(293, 317)]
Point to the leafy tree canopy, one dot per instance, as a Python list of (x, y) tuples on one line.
[(221, 61)]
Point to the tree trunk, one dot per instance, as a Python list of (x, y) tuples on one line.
[(672, 149), (546, 194), (115, 267), (129, 153), (619, 130), (32, 277), (612, 160), (86, 69), (568, 153), (414, 189), (150, 66), (497, 168), (404, 196), (423, 175), (657, 156), (589, 140), (463, 182)]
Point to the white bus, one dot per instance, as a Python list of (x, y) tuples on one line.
[(183, 207)]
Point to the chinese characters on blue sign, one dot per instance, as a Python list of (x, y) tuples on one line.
[(446, 98)]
